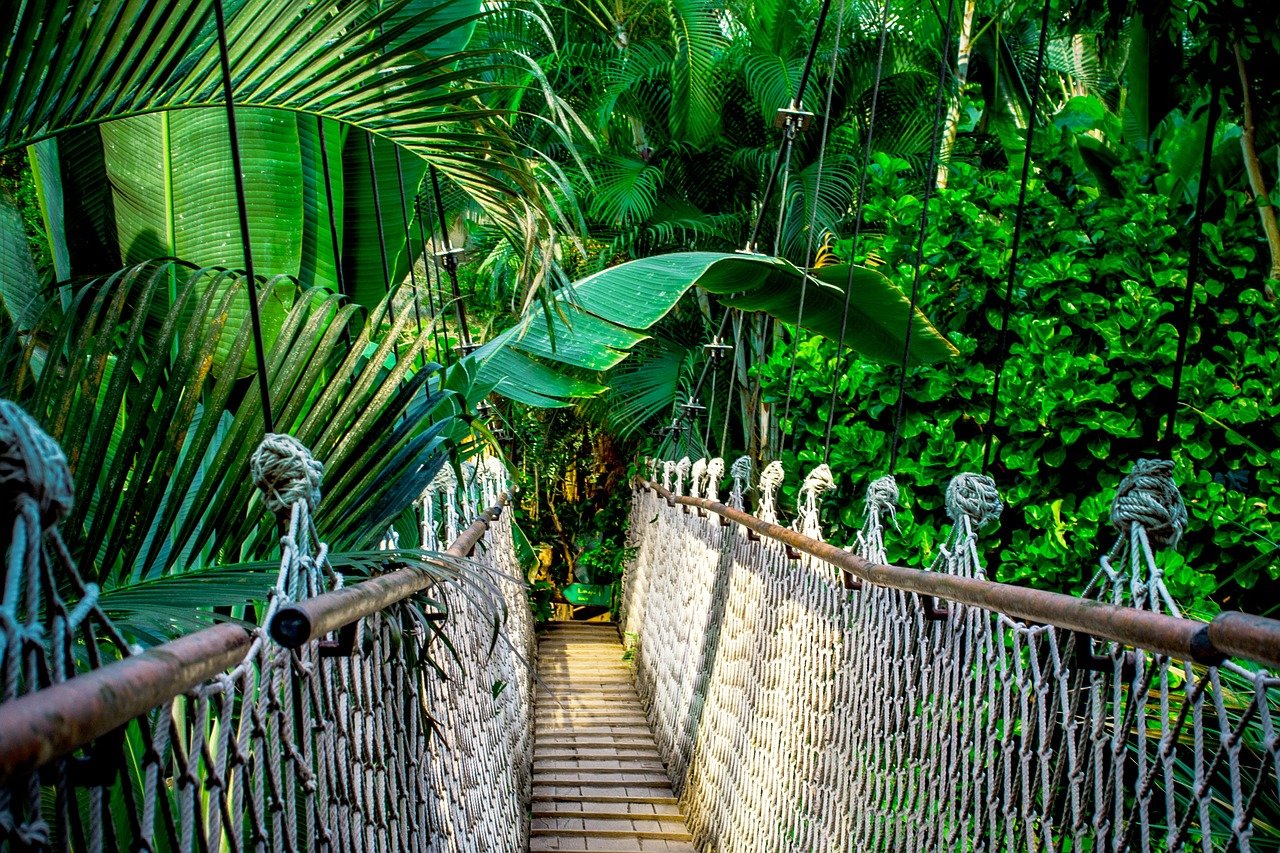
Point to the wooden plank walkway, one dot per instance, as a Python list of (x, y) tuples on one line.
[(598, 782)]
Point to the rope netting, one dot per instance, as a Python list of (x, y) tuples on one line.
[(797, 714), (402, 742)]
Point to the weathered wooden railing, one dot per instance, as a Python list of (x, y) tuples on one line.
[(391, 736), (811, 698)]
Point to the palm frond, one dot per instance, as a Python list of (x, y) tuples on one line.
[(158, 431), (343, 61)]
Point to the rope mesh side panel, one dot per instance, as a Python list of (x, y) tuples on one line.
[(287, 750), (832, 719)]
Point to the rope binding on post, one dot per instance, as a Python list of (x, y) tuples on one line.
[(1149, 497), (32, 467), (286, 472)]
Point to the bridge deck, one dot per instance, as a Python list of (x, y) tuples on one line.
[(598, 782)]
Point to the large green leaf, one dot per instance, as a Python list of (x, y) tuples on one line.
[(19, 283), (47, 177), (320, 249), (364, 243), (173, 422), (371, 64), (93, 246), (876, 322), (695, 102), (595, 321), (437, 20), (173, 188)]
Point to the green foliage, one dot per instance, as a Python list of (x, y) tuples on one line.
[(595, 321), (542, 600), (1088, 381), (158, 431)]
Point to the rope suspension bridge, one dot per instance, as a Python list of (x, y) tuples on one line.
[(800, 696), (764, 689)]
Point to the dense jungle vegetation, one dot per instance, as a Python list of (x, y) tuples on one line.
[(562, 141)]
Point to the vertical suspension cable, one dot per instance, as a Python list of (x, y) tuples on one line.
[(773, 175), (436, 320), (242, 206), (1193, 265), (450, 264), (408, 242), (339, 275), (711, 412), (930, 173), (813, 218), (788, 144), (784, 151), (382, 239), (857, 232), (377, 218), (335, 243), (1002, 346)]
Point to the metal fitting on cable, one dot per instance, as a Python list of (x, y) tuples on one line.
[(693, 409), (716, 350)]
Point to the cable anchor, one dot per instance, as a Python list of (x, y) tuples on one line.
[(717, 350), (792, 119)]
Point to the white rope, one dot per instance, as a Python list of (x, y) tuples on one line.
[(288, 750), (797, 716)]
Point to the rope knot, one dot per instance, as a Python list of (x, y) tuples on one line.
[(882, 496), (741, 473), (973, 496), (770, 479), (1149, 497), (682, 471), (715, 472), (286, 472), (697, 474), (32, 464), (818, 481)]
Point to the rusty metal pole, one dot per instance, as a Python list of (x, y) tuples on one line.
[(297, 624), (53, 722), (50, 723)]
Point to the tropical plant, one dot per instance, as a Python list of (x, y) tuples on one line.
[(142, 391), (591, 325), (133, 159), (1087, 387)]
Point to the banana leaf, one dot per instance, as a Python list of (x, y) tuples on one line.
[(595, 322)]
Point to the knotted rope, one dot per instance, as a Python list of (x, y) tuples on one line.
[(770, 479), (715, 472), (682, 472), (1148, 496), (286, 472), (881, 500), (741, 473), (973, 496), (697, 475), (32, 465), (807, 520), (442, 489)]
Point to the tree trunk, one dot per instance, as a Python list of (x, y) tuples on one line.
[(952, 126), (1257, 181), (751, 349)]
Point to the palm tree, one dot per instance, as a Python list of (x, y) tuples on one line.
[(139, 371)]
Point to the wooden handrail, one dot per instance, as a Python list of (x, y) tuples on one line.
[(1228, 635), (296, 624), (58, 719)]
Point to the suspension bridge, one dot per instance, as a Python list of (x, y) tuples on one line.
[(778, 693), (763, 690)]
